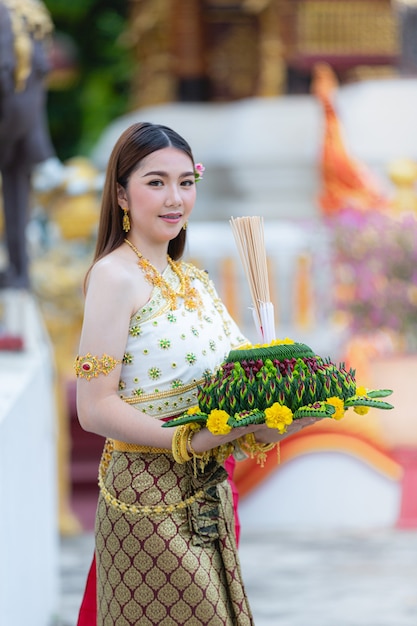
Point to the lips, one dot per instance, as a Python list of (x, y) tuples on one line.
[(172, 216)]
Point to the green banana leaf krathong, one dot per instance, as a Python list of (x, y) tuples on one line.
[(278, 383)]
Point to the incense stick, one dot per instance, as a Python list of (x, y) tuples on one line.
[(249, 237)]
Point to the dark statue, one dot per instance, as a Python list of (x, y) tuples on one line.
[(25, 27)]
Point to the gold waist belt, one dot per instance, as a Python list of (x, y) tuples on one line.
[(136, 509), (122, 446)]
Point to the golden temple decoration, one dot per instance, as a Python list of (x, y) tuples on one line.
[(233, 58), (149, 35), (220, 51), (272, 67), (303, 294), (28, 18), (355, 27), (188, 39), (403, 173)]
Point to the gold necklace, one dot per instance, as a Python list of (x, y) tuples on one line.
[(189, 294)]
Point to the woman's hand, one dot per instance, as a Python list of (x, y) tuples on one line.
[(204, 440), (264, 434)]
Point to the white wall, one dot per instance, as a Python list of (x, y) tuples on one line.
[(29, 572), (326, 490), (262, 154)]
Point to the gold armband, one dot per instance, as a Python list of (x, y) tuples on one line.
[(90, 366)]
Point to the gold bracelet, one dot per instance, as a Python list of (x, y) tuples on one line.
[(256, 446), (180, 442), (221, 453), (253, 448), (193, 431), (183, 438), (178, 447)]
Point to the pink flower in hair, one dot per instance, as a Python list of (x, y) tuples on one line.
[(199, 170)]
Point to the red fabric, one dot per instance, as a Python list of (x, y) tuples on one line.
[(88, 610)]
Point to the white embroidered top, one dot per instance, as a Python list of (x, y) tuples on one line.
[(168, 352)]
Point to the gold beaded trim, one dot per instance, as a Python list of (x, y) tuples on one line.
[(90, 366), (156, 509), (168, 393)]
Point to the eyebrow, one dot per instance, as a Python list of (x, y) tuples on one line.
[(165, 174)]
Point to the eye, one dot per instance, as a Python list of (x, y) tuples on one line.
[(188, 183), (156, 183)]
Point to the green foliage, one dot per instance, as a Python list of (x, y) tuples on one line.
[(99, 92), (72, 11)]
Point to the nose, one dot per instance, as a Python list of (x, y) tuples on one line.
[(174, 198)]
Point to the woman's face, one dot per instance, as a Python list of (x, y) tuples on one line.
[(160, 195)]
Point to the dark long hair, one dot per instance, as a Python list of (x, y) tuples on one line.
[(133, 145)]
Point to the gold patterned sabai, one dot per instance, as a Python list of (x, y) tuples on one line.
[(165, 547), (90, 366)]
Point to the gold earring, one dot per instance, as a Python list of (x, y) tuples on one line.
[(184, 226), (126, 221)]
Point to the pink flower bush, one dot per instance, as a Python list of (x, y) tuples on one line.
[(376, 270)]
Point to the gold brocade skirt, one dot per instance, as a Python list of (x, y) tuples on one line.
[(165, 545)]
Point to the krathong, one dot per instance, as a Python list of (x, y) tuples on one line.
[(277, 381), (275, 384)]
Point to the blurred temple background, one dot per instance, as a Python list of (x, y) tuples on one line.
[(303, 112)]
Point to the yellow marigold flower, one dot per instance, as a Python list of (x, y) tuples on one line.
[(193, 410), (339, 405), (361, 391), (278, 416), (217, 422), (274, 342), (361, 410)]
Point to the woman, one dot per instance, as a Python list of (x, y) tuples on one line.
[(153, 327)]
